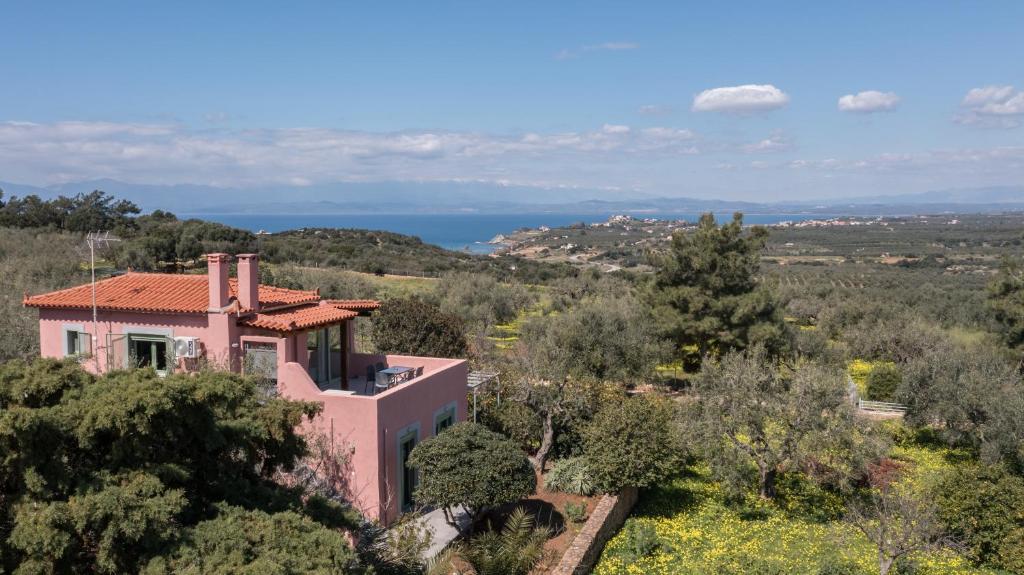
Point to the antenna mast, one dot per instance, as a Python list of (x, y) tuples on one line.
[(94, 239)]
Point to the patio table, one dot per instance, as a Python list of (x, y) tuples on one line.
[(396, 373)]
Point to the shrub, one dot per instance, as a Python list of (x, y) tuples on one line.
[(570, 475), (414, 327), (576, 512), (641, 539), (882, 382), (840, 568), (471, 465), (632, 443), (516, 421), (984, 507), (515, 550)]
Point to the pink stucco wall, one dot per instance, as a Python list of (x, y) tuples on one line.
[(369, 425), (372, 425), (216, 332)]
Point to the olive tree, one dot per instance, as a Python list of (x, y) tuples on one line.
[(1006, 301), (559, 357), (973, 396), (898, 522), (751, 411)]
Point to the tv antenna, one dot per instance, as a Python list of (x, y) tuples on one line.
[(102, 240)]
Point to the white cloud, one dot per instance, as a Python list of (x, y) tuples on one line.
[(569, 54), (774, 143), (71, 151), (1005, 160), (740, 99), (992, 106), (986, 96), (869, 102), (654, 110), (653, 159), (615, 129)]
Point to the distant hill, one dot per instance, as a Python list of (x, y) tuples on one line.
[(477, 197), (338, 198), (988, 195)]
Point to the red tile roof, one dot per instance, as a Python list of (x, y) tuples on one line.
[(159, 293), (355, 304), (298, 318)]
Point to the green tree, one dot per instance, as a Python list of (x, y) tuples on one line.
[(601, 338), (983, 506), (706, 291), (104, 474), (561, 357), (633, 443), (973, 395), (243, 542), (1006, 301), (481, 300), (414, 327), (22, 271), (472, 466), (883, 381), (899, 523), (753, 413)]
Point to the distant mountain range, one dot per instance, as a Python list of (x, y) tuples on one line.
[(475, 197)]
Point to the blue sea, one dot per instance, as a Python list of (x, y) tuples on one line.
[(453, 231)]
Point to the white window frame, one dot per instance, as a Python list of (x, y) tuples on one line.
[(449, 409), (404, 434), (80, 335)]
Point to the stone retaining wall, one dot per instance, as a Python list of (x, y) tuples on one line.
[(605, 520)]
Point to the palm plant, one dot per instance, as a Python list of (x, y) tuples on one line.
[(515, 550)]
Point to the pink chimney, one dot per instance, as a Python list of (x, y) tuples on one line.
[(217, 269), (249, 281)]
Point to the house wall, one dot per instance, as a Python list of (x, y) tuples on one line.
[(417, 402), (371, 426), (216, 333)]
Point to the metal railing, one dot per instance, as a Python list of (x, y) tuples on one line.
[(881, 406)]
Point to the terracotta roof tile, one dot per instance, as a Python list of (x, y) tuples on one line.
[(355, 304), (298, 318), (159, 293)]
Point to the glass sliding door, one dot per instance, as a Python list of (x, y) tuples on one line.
[(150, 351)]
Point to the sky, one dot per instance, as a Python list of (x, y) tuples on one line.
[(758, 101)]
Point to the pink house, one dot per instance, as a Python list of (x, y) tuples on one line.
[(377, 406)]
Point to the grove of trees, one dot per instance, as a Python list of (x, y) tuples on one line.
[(131, 472), (708, 367)]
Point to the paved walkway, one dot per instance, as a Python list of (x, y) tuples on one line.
[(442, 532)]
